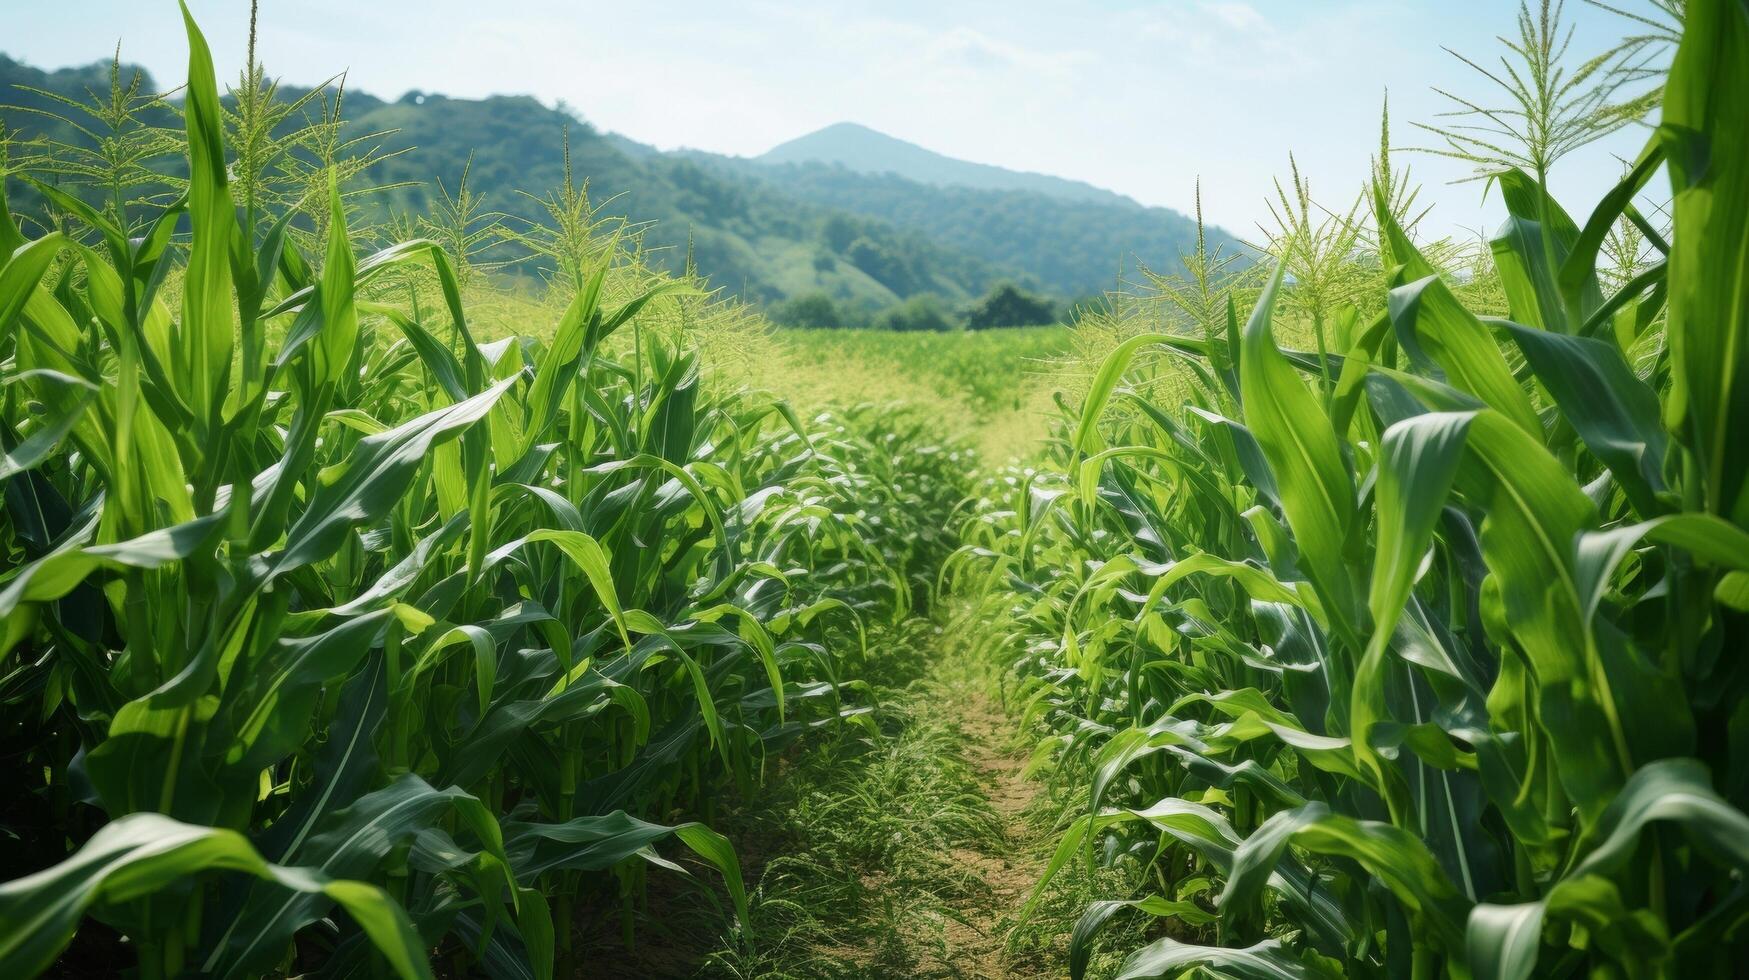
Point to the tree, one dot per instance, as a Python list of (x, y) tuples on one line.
[(883, 264), (1009, 306), (839, 232), (923, 311), (809, 310)]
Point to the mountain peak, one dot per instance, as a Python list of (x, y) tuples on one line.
[(853, 128), (860, 149), (852, 144), (849, 133)]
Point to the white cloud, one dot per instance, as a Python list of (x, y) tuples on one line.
[(968, 48), (1236, 15), (1234, 37)]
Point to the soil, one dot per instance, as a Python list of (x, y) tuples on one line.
[(984, 886), (976, 939)]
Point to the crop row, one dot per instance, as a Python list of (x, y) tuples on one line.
[(316, 603), (1422, 656)]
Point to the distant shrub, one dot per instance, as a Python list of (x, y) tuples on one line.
[(923, 312), (1008, 305), (809, 310), (884, 264)]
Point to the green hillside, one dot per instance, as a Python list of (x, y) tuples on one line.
[(882, 222), (746, 236), (1067, 246), (866, 151)]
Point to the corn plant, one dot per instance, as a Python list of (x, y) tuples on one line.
[(314, 600), (1429, 671)]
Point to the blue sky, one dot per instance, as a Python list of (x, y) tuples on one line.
[(1140, 97)]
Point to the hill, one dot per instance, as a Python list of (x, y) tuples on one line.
[(877, 223), (746, 235), (1066, 247), (862, 150)]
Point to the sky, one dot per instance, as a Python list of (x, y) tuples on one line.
[(1140, 96)]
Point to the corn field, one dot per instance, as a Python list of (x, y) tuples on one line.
[(414, 635), (1377, 608), (1419, 658)]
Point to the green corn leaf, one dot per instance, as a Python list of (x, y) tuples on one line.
[(1097, 914), (333, 348), (21, 273), (268, 707), (1405, 262), (1578, 275), (1396, 857), (597, 842), (57, 573), (1705, 131), (713, 514), (1257, 582), (485, 650), (595, 564), (757, 638), (115, 240), (1504, 940), (1317, 494), (702, 695), (203, 348), (369, 268), (1212, 838), (30, 452), (1611, 409), (374, 478), (346, 766), (1167, 958), (584, 692), (1534, 514), (1086, 437), (563, 361), (716, 850), (135, 856), (1417, 467), (1642, 299), (1435, 329), (348, 842), (1530, 257), (1246, 452), (1675, 791), (437, 358)]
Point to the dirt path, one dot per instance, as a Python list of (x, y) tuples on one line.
[(1009, 874), (900, 857)]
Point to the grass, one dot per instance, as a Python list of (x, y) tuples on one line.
[(864, 881), (990, 369), (990, 387), (875, 852)]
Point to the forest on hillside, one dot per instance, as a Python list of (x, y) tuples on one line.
[(866, 243)]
